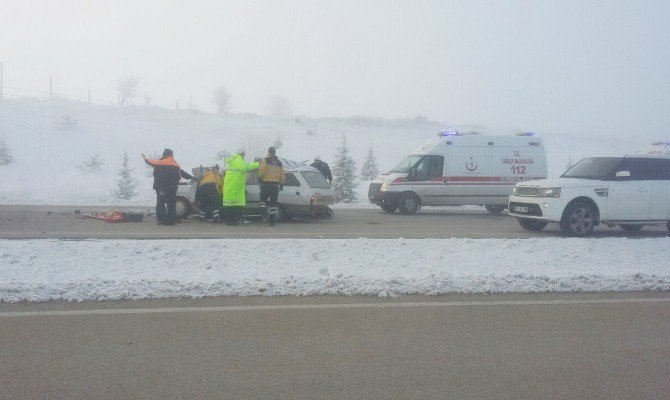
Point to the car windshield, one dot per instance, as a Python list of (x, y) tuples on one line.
[(598, 168), (315, 180), (407, 163)]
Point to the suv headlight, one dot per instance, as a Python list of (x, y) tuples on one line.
[(514, 190), (385, 186), (549, 192)]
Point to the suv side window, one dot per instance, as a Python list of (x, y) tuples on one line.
[(660, 169), (642, 169)]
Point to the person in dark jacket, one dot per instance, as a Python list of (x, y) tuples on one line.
[(166, 180), (323, 168), (271, 175)]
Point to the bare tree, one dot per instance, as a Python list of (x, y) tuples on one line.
[(222, 99), (279, 106), (5, 153), (127, 88)]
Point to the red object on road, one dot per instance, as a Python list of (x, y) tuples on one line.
[(117, 216)]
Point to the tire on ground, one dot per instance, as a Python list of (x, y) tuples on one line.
[(495, 209), (183, 208), (631, 227), (579, 219), (532, 224), (408, 203), (389, 206)]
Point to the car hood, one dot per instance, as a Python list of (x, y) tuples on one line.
[(562, 183)]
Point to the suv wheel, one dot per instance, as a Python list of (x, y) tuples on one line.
[(495, 210), (532, 224), (408, 203), (579, 219), (631, 227)]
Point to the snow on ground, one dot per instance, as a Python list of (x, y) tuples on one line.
[(41, 270), (49, 139)]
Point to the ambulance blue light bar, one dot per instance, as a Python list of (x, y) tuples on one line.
[(526, 134), (448, 133)]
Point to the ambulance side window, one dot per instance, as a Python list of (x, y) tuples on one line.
[(430, 167)]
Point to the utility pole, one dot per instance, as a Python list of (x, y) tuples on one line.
[(1, 81), (89, 96), (51, 87)]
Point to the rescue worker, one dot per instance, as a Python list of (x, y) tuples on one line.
[(271, 174), (234, 186), (208, 194), (166, 180), (323, 168)]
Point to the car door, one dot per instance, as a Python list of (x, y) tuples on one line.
[(427, 179), (660, 189), (629, 195)]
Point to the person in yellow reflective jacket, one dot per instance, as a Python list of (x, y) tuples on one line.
[(271, 174), (208, 194), (234, 185)]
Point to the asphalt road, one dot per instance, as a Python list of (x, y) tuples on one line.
[(569, 346), (28, 222)]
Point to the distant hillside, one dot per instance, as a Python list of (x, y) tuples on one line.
[(50, 139)]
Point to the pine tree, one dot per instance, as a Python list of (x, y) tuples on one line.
[(369, 170), (125, 185), (5, 153), (344, 175)]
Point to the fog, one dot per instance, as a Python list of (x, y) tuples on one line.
[(591, 67)]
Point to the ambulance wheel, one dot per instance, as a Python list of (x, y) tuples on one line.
[(495, 210), (183, 208), (631, 227), (532, 224), (390, 206), (408, 203)]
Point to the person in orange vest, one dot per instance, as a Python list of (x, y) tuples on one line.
[(167, 173)]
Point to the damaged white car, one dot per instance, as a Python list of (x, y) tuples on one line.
[(306, 193)]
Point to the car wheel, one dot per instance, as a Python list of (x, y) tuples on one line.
[(532, 224), (281, 213), (579, 219), (408, 203), (631, 227), (390, 206), (183, 208), (495, 210)]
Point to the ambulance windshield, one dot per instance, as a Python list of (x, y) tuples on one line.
[(406, 165)]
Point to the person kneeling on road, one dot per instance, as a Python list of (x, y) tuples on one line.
[(271, 175), (208, 195)]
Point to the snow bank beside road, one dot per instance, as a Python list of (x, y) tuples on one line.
[(41, 270)]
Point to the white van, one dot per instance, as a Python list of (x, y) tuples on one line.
[(457, 169), (630, 192)]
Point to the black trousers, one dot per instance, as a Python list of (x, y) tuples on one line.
[(268, 198), (166, 206), (208, 199)]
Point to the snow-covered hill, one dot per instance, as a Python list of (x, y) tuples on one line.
[(49, 139)]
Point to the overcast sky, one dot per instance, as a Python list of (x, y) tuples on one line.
[(574, 66)]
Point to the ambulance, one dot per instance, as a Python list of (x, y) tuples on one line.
[(458, 169)]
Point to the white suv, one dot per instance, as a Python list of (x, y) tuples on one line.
[(631, 192)]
